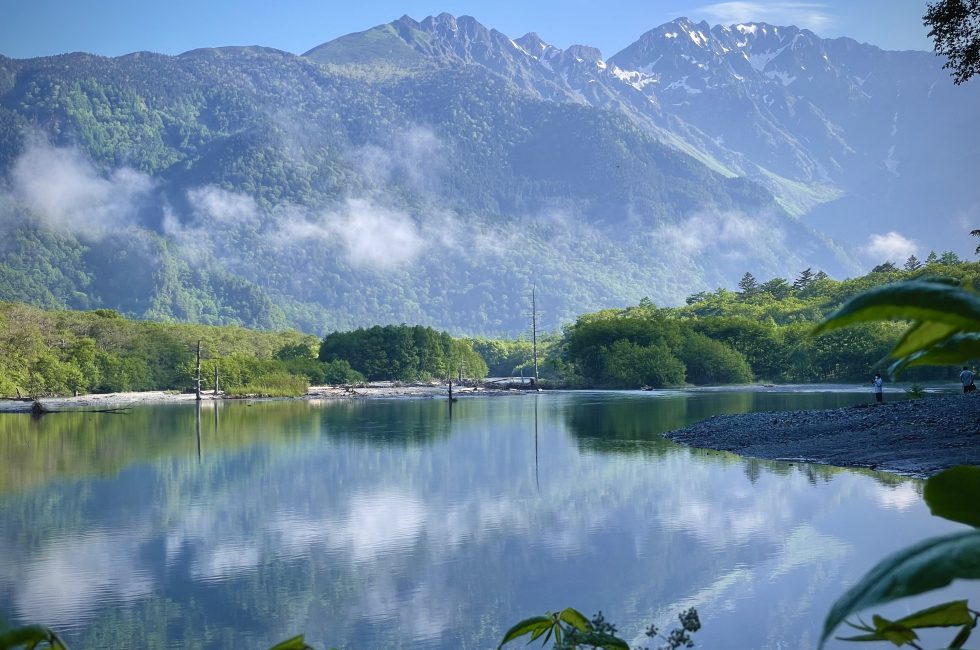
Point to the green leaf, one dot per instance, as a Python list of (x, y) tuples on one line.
[(575, 618), (295, 643), (915, 301), (538, 631), (963, 636), (539, 624), (921, 336), (31, 634), (928, 565), (951, 614), (861, 637), (892, 631), (954, 349), (954, 494)]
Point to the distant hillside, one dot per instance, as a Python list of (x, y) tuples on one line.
[(430, 172)]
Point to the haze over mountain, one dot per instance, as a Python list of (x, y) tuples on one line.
[(431, 171)]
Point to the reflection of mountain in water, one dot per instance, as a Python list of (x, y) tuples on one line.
[(328, 520)]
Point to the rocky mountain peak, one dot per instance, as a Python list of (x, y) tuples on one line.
[(533, 44), (584, 53)]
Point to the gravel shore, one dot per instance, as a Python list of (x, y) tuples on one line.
[(374, 390), (915, 437)]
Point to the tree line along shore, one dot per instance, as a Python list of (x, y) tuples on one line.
[(762, 332)]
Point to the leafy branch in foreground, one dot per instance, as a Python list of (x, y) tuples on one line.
[(946, 321), (572, 631), (946, 329), (30, 637)]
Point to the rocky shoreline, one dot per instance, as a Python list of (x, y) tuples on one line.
[(914, 437)]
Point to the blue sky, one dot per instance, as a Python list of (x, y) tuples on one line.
[(112, 27)]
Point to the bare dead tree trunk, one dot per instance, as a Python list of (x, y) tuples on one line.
[(198, 377)]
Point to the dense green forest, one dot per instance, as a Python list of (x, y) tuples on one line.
[(403, 353), (762, 332), (60, 352)]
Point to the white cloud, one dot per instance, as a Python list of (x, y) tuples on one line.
[(890, 246), (729, 235), (66, 191), (377, 236), (810, 15), (414, 156), (217, 206), (371, 235)]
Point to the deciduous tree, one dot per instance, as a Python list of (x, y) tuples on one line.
[(955, 31)]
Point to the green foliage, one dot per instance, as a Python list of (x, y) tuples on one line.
[(763, 333), (271, 384), (553, 624), (572, 631), (953, 28), (58, 353), (403, 353), (340, 372), (915, 391), (946, 321), (713, 362), (30, 637), (295, 643), (902, 631), (921, 301), (951, 495), (505, 358), (628, 364), (926, 566), (946, 324)]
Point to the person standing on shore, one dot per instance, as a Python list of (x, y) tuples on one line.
[(966, 377), (876, 382)]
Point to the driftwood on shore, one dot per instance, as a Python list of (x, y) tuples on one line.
[(38, 408)]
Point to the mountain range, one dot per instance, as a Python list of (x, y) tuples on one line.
[(430, 172)]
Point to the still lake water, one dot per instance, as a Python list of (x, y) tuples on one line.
[(387, 524)]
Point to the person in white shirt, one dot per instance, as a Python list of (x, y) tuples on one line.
[(876, 382), (966, 377)]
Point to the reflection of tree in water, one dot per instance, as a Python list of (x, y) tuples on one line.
[(637, 425), (70, 445), (60, 445), (400, 423)]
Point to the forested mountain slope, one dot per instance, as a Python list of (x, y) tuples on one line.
[(418, 172)]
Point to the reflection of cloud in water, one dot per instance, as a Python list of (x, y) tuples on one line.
[(68, 580), (398, 535), (225, 560), (389, 521), (722, 508), (806, 546), (378, 524), (897, 497), (424, 615), (714, 596)]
